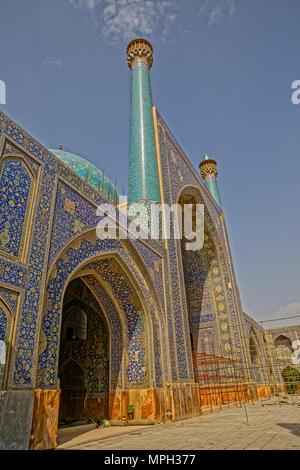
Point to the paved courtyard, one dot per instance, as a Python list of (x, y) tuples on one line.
[(271, 426)]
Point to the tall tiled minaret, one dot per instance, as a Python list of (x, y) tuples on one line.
[(209, 173), (143, 182)]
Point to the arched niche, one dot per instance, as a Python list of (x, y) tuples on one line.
[(213, 316), (205, 286), (283, 346), (17, 192)]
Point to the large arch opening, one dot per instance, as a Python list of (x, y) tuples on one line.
[(198, 267), (83, 369), (116, 284), (197, 285), (214, 329)]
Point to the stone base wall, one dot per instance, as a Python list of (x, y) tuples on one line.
[(35, 414), (220, 395), (44, 419), (258, 392), (264, 391), (172, 403), (280, 389), (16, 409), (226, 394)]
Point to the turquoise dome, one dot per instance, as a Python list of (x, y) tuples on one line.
[(90, 173)]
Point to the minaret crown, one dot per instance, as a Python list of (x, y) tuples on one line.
[(139, 49), (208, 167)]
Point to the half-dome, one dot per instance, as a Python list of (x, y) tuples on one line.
[(90, 173)]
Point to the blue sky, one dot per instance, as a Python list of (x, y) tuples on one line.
[(221, 79)]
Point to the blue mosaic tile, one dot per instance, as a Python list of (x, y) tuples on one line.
[(15, 190), (143, 175)]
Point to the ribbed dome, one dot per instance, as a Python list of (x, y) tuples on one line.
[(90, 173)]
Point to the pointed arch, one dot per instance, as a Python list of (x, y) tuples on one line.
[(71, 369), (82, 254), (284, 348), (17, 194)]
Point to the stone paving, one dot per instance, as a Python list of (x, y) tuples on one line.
[(271, 426)]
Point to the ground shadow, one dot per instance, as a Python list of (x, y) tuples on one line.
[(67, 434), (292, 427)]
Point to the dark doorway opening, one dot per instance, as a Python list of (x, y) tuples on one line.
[(73, 393), (83, 357)]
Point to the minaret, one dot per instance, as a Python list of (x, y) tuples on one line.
[(143, 182), (209, 173)]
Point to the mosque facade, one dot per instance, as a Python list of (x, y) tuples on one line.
[(120, 329)]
